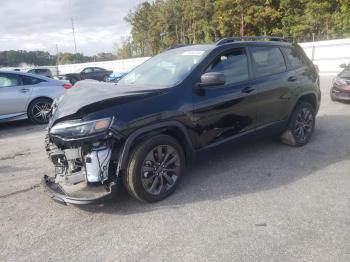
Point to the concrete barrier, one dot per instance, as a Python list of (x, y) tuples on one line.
[(328, 55)]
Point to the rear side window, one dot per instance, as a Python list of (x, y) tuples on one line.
[(234, 65), (267, 61), (294, 58), (27, 80)]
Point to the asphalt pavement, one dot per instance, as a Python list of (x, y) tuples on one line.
[(261, 201)]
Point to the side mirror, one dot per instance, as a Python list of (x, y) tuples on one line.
[(212, 79), (342, 65)]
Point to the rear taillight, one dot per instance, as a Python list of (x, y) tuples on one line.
[(67, 86)]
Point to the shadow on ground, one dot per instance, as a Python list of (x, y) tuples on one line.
[(229, 171), (17, 128)]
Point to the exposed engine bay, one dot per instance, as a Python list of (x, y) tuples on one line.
[(83, 173)]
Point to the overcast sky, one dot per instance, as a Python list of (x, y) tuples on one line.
[(41, 24)]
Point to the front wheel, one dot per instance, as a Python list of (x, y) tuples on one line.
[(154, 169), (301, 125)]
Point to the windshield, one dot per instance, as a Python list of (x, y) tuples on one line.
[(167, 69)]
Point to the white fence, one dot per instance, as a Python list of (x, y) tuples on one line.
[(327, 55)]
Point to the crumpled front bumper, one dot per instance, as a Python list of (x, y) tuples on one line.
[(57, 193)]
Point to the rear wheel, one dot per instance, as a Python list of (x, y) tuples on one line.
[(154, 168), (301, 125), (38, 110)]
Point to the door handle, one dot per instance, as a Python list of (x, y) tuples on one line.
[(248, 89), (292, 78), (24, 90)]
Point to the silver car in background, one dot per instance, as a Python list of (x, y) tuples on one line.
[(24, 95)]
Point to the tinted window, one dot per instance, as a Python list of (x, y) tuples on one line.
[(268, 61), (96, 69), (87, 70), (234, 65), (27, 80), (294, 58), (7, 80)]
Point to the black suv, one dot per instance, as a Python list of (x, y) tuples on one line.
[(142, 131)]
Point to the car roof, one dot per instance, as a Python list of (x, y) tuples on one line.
[(26, 74)]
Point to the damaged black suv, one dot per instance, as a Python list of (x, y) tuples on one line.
[(141, 132)]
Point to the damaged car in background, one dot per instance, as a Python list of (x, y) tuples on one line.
[(141, 132)]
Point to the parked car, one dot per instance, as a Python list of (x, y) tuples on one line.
[(143, 131), (96, 73), (340, 89), (24, 95), (41, 71), (115, 76)]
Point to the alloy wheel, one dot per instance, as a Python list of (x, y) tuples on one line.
[(304, 124), (40, 112), (160, 169)]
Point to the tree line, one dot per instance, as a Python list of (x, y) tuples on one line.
[(159, 24), (14, 58)]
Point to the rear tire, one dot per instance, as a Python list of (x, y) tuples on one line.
[(38, 110), (301, 125), (154, 169)]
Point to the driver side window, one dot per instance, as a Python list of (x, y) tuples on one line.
[(233, 64)]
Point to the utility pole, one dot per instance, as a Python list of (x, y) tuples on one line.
[(73, 30), (57, 55), (241, 29)]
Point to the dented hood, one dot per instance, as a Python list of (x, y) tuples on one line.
[(92, 96)]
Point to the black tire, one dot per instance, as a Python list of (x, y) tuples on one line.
[(73, 80), (141, 174), (38, 110), (332, 96), (301, 125), (105, 78)]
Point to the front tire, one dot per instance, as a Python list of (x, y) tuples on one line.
[(154, 169), (301, 125), (38, 110)]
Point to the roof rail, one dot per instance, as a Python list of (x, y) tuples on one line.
[(250, 38)]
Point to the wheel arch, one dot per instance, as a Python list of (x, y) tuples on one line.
[(171, 128), (311, 98)]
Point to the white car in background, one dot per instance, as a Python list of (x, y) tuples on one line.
[(24, 95)]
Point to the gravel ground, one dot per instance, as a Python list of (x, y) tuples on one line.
[(263, 201)]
